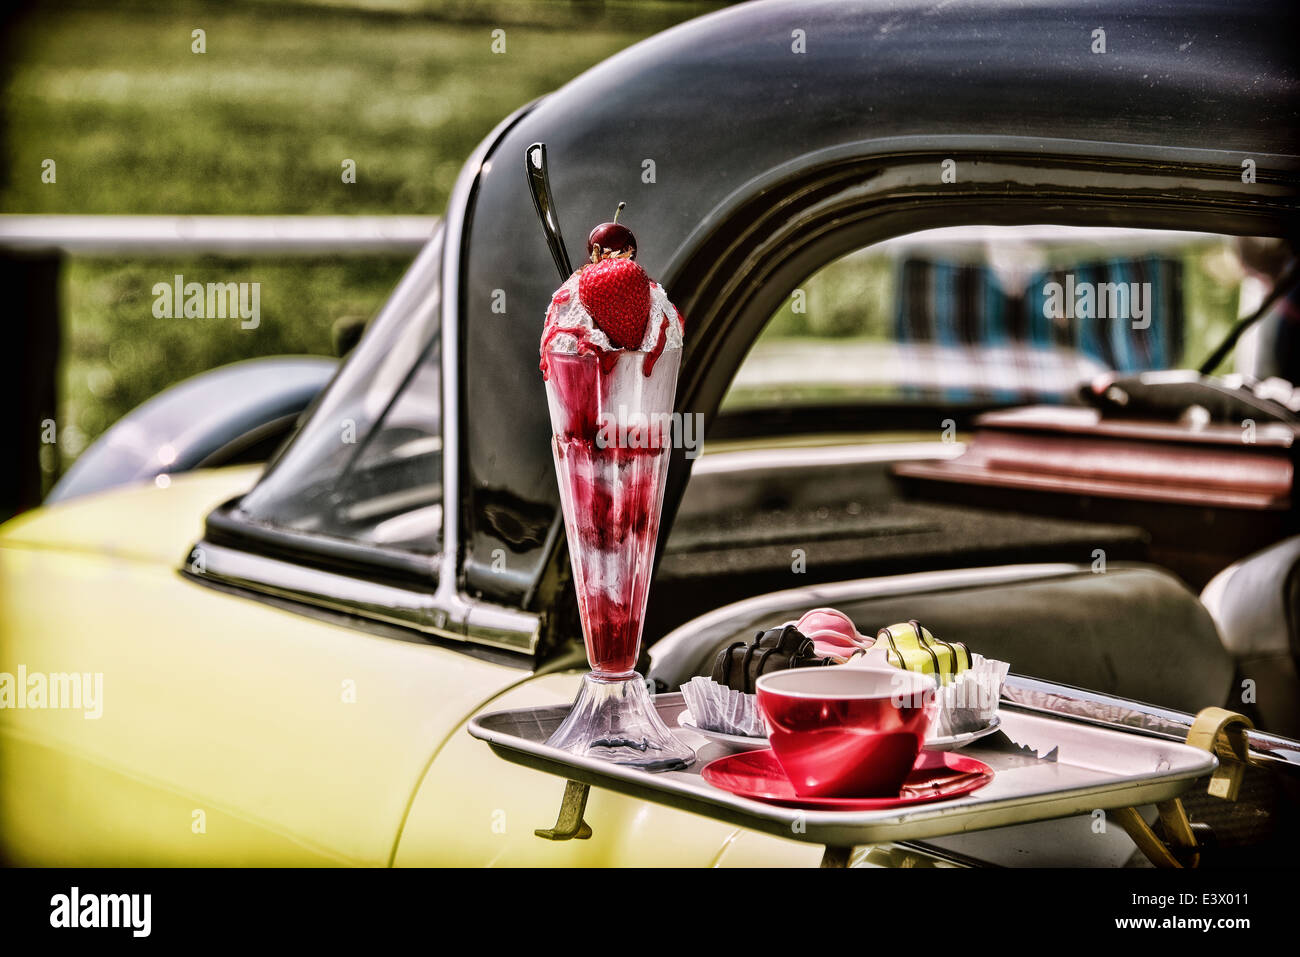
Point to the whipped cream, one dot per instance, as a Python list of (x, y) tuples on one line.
[(567, 312)]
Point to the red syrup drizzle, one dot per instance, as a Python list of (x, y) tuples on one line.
[(610, 483), (612, 500), (611, 494), (651, 357), (575, 384), (585, 347), (606, 520)]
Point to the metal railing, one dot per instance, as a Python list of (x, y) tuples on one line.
[(216, 235)]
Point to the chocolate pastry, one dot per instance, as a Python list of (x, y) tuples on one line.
[(739, 665)]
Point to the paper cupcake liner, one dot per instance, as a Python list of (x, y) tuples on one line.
[(966, 704), (969, 702), (715, 707)]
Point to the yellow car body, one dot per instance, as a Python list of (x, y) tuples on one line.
[(232, 731)]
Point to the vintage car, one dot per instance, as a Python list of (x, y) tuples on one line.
[(290, 654)]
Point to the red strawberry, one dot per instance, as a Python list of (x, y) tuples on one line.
[(617, 294)]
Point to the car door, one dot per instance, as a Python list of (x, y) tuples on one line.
[(226, 730)]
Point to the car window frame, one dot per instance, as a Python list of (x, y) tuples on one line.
[(368, 582)]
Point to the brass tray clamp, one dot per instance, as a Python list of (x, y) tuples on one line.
[(1223, 734)]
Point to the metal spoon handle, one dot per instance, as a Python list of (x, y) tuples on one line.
[(539, 185)]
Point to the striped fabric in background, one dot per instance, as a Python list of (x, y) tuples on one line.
[(1021, 353)]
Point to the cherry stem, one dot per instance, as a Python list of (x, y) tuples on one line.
[(617, 211)]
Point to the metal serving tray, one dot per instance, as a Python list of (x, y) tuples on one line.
[(1045, 768)]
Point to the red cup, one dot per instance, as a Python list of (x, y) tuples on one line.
[(846, 732)]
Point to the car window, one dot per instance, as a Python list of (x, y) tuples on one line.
[(1001, 315), (367, 464)]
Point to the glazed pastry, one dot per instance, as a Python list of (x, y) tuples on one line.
[(915, 648), (833, 634), (969, 684), (739, 665)]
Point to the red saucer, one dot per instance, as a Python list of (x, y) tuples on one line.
[(935, 776)]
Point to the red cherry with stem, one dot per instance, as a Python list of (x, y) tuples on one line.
[(610, 239)]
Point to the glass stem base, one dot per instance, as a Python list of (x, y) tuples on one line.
[(614, 719)]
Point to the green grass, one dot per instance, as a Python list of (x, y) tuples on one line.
[(260, 124), (262, 121), (120, 354)]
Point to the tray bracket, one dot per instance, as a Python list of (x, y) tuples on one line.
[(569, 825), (1223, 734), (836, 855)]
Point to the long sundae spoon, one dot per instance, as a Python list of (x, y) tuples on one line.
[(539, 185)]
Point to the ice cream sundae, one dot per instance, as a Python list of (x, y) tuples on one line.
[(610, 352)]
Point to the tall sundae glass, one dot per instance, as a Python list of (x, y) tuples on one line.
[(610, 354)]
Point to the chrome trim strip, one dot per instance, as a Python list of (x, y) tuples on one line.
[(824, 456), (354, 596), (448, 594), (482, 622), (502, 627)]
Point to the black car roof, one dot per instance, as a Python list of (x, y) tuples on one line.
[(724, 103)]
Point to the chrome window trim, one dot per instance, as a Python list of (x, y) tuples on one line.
[(446, 612), (482, 622), (391, 604), (737, 461), (285, 579)]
